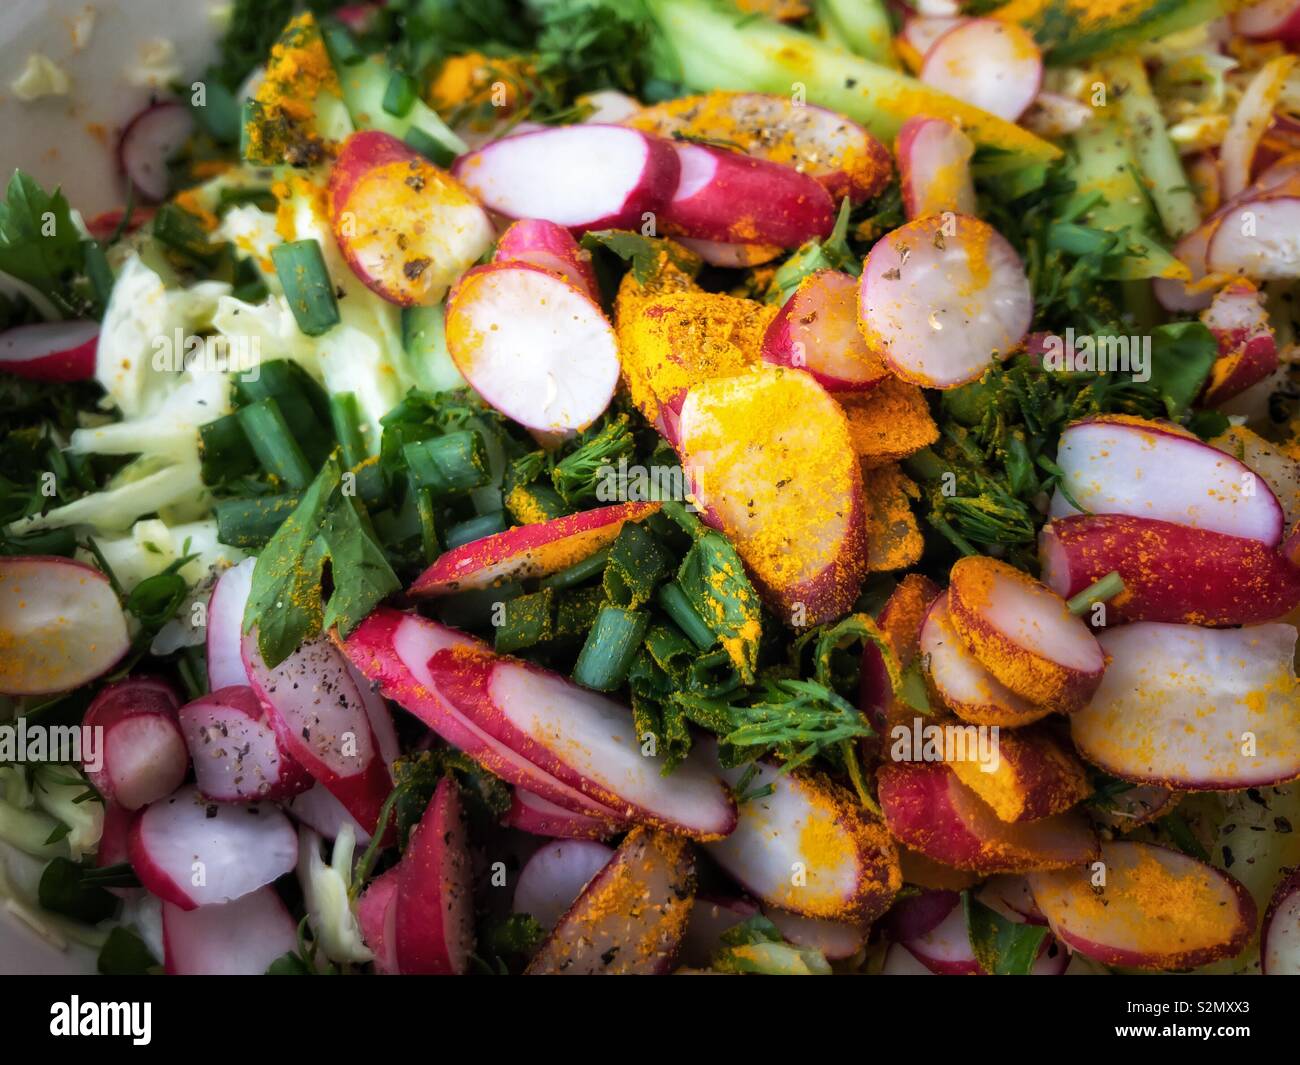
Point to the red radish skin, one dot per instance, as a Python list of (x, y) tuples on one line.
[(225, 656), (527, 551), (1279, 951), (533, 346), (142, 751), (920, 914), (239, 938), (148, 142), (1024, 634), (406, 228), (434, 906), (192, 853), (1033, 777), (946, 949), (106, 223), (236, 755), (934, 161), (1269, 20), (1124, 923), (1170, 572), (555, 876), (113, 843), (61, 625), (1247, 346), (928, 809), (551, 247), (533, 814), (942, 297), (50, 351), (817, 330), (581, 177), (376, 916), (734, 198), (995, 65)]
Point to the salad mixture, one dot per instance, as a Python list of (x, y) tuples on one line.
[(582, 486)]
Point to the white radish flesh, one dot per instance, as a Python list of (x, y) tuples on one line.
[(920, 32), (934, 157), (899, 961), (1280, 940), (239, 938), (149, 141), (731, 256), (1249, 122), (50, 351), (142, 752), (817, 330), (320, 811), (946, 949), (554, 877), (539, 816), (1259, 239), (552, 248), (835, 940), (225, 622), (995, 65), (1269, 20)]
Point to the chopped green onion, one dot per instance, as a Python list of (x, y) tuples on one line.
[(673, 602), (428, 524), (225, 449), (345, 416), (400, 95), (1108, 587), (219, 114), (301, 400), (670, 649), (612, 644), (636, 564), (276, 449), (177, 229), (307, 286), (578, 572), (449, 464), (526, 621), (475, 609), (340, 44), (576, 612), (466, 532), (251, 522), (432, 149), (531, 503)]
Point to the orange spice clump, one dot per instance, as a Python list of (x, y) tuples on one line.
[(888, 423), (893, 535), (299, 70), (480, 89), (1035, 777)]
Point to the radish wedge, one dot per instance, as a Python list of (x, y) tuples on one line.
[(1258, 239), (322, 813), (1195, 709), (1170, 572), (963, 685), (899, 961), (934, 158), (772, 465), (239, 938), (148, 143), (946, 949), (1247, 346), (376, 917), (817, 330), (809, 848), (900, 621), (225, 622), (551, 247), (1269, 20), (583, 740), (527, 551), (581, 177), (1024, 634), (630, 919), (237, 757), (434, 905), (1146, 469), (61, 625), (1032, 777), (192, 852), (50, 351), (406, 228), (1279, 951), (835, 940), (541, 817), (941, 297), (142, 752), (533, 346), (927, 808), (995, 65), (1157, 909), (842, 156), (554, 877)]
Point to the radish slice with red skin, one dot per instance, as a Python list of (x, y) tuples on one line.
[(581, 177), (899, 961), (1259, 239), (379, 716), (142, 752), (1012, 897), (550, 247), (900, 621), (1024, 634), (237, 757), (113, 844), (527, 551), (192, 852), (817, 330), (835, 940), (1279, 952), (1247, 347), (941, 297), (50, 351), (608, 107), (554, 877), (320, 811), (582, 739), (434, 905), (1182, 296), (239, 938), (148, 142), (920, 32), (934, 160), (539, 816), (1170, 572), (1249, 122), (61, 625), (731, 256), (393, 649), (928, 809), (1122, 922), (376, 917), (225, 623), (995, 65), (1054, 115), (535, 347), (946, 949), (106, 223), (1179, 705), (1147, 469), (919, 914), (1269, 20)]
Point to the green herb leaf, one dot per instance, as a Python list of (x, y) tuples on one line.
[(1182, 355), (1002, 947), (41, 245), (125, 954), (64, 889)]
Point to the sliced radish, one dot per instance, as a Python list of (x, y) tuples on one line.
[(320, 811), (554, 877), (1195, 709), (434, 906), (900, 621), (582, 739), (608, 107), (61, 625), (1279, 951), (919, 914), (1247, 346), (581, 177), (225, 624), (1054, 115), (941, 298), (731, 256), (735, 198), (541, 817), (631, 918), (149, 141), (1259, 239), (239, 938), (380, 717), (934, 158), (817, 330), (533, 346), (1024, 634), (376, 917), (835, 940), (1269, 20), (319, 717), (995, 65), (899, 961), (710, 917), (1250, 121), (526, 551), (50, 351), (1012, 897), (551, 247), (1135, 806), (1121, 465), (192, 852), (920, 32), (142, 752), (1182, 296), (1155, 909), (1032, 776), (946, 949)]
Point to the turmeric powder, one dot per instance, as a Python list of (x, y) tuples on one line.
[(893, 535), (888, 423)]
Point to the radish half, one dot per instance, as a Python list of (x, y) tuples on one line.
[(149, 141), (554, 877), (376, 917), (539, 816), (50, 351), (995, 65), (934, 159), (225, 623), (551, 247), (1269, 20), (1247, 346), (239, 938), (142, 752), (1279, 951), (945, 949), (942, 297), (1259, 239)]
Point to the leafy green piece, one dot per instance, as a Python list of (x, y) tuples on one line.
[(289, 963), (254, 26), (1182, 355), (1071, 32), (66, 889), (41, 245), (577, 476), (833, 253), (756, 946), (1002, 947), (124, 954), (645, 254), (154, 601)]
